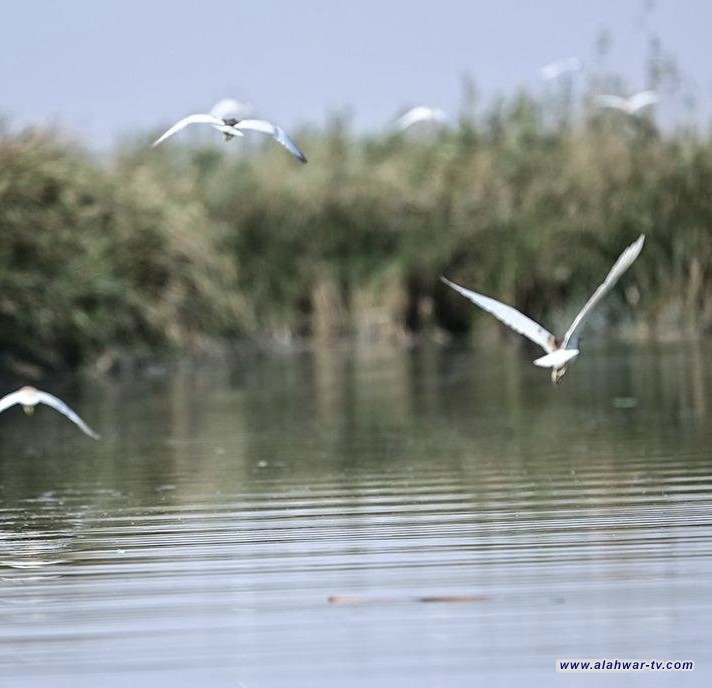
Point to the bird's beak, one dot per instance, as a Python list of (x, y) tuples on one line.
[(29, 410)]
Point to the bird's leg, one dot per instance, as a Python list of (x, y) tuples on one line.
[(29, 410), (228, 136), (557, 374)]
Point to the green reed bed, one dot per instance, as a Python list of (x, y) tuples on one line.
[(175, 248)]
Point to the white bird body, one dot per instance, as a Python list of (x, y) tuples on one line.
[(554, 70), (559, 352), (29, 397), (557, 359), (630, 105), (200, 118), (231, 127), (421, 113)]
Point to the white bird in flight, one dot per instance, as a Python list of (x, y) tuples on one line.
[(29, 397), (559, 352), (421, 113), (554, 70), (231, 126), (229, 107), (628, 105)]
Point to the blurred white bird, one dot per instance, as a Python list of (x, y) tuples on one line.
[(29, 397), (628, 105), (231, 126), (421, 113), (554, 70), (229, 107), (559, 352)]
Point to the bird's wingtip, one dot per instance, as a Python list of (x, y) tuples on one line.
[(293, 148)]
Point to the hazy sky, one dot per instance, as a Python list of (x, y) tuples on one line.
[(108, 68)]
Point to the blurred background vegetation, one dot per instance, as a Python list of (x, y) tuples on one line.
[(196, 243)]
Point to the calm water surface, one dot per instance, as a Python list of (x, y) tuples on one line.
[(199, 542)]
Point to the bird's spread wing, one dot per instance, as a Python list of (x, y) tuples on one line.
[(59, 405), (190, 119), (421, 113), (9, 400), (279, 135), (642, 99), (509, 316), (625, 260), (610, 101)]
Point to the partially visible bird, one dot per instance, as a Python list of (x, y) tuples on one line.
[(29, 397), (421, 113), (554, 70), (559, 352), (231, 126), (631, 105), (229, 107)]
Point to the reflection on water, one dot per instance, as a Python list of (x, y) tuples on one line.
[(199, 543)]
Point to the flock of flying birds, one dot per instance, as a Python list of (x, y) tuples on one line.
[(226, 117)]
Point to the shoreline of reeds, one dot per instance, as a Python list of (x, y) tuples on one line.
[(174, 249)]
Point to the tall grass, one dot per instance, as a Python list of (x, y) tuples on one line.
[(98, 261), (176, 247)]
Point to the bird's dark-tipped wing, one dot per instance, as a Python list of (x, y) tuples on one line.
[(273, 130)]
